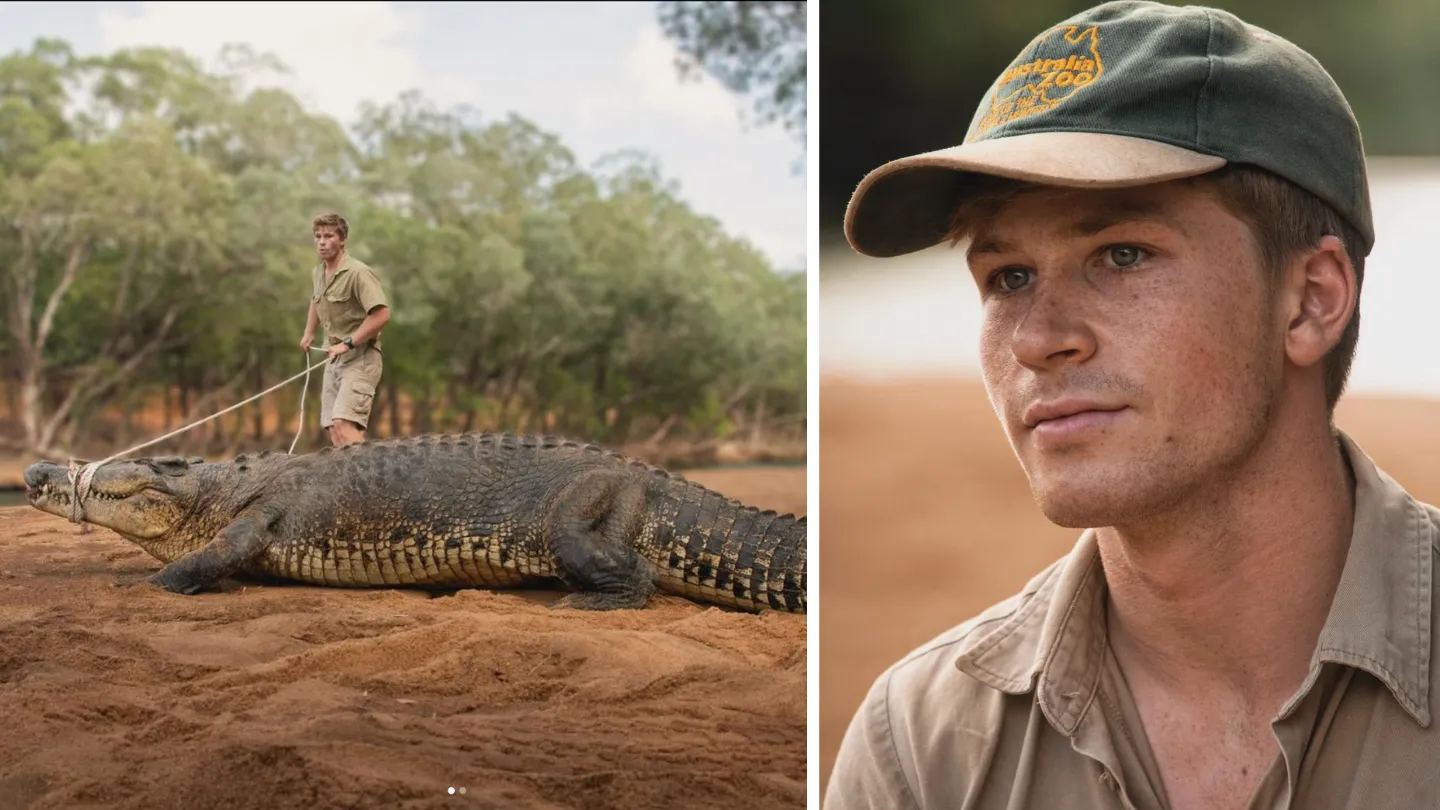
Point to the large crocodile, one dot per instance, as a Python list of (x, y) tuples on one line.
[(444, 511)]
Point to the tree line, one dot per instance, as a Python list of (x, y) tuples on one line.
[(156, 259)]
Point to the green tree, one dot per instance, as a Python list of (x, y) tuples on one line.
[(155, 253), (753, 48)]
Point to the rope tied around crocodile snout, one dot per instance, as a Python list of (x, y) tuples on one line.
[(79, 476)]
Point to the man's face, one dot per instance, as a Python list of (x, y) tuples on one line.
[(1128, 343), (328, 242)]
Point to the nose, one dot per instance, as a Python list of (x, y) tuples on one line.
[(1051, 331)]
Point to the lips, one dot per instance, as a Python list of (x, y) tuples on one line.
[(1040, 412)]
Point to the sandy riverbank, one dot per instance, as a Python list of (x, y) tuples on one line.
[(289, 696)]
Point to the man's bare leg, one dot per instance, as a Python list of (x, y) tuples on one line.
[(343, 432)]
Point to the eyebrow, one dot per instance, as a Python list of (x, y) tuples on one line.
[(1105, 216)]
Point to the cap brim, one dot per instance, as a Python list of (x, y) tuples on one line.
[(907, 204)]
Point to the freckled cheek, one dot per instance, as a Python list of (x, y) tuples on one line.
[(997, 360), (1187, 360), (999, 368)]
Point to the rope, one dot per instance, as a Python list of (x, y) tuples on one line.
[(300, 428), (80, 475)]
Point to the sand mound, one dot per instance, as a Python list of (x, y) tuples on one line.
[(291, 696)]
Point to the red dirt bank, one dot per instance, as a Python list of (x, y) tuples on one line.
[(291, 696)]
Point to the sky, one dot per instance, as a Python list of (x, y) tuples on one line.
[(598, 75), (921, 315)]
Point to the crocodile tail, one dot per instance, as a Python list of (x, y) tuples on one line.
[(718, 551)]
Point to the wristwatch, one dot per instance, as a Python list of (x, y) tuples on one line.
[(348, 342)]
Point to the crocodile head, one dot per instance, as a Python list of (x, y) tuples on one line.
[(141, 499)]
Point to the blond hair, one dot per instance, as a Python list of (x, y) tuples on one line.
[(331, 220)]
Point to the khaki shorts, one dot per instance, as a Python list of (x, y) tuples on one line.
[(350, 384)]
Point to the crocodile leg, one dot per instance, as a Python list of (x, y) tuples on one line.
[(593, 526), (236, 545)]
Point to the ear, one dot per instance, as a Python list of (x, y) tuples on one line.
[(1325, 296)]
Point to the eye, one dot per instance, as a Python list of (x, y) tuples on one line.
[(1010, 279), (1125, 255)]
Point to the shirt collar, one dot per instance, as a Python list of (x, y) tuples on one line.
[(1379, 620), (342, 267)]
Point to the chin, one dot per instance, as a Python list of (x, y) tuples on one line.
[(1072, 512), (1086, 496)]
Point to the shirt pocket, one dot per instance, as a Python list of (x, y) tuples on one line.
[(339, 294)]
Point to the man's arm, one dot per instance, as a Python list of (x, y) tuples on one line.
[(373, 323), (311, 321), (867, 774), (377, 309)]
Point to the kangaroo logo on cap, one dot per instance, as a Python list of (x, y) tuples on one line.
[(1034, 84)]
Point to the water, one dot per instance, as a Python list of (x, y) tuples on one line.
[(12, 497)]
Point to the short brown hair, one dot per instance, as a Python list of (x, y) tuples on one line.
[(332, 220), (1284, 219)]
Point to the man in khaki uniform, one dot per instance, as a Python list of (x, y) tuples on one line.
[(347, 299), (1166, 214)]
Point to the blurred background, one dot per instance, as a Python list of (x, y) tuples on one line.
[(928, 518)]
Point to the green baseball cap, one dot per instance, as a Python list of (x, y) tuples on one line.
[(1126, 94)]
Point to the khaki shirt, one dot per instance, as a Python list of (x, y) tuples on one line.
[(1024, 706), (342, 305)]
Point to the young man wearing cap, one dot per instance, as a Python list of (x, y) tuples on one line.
[(1166, 215)]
